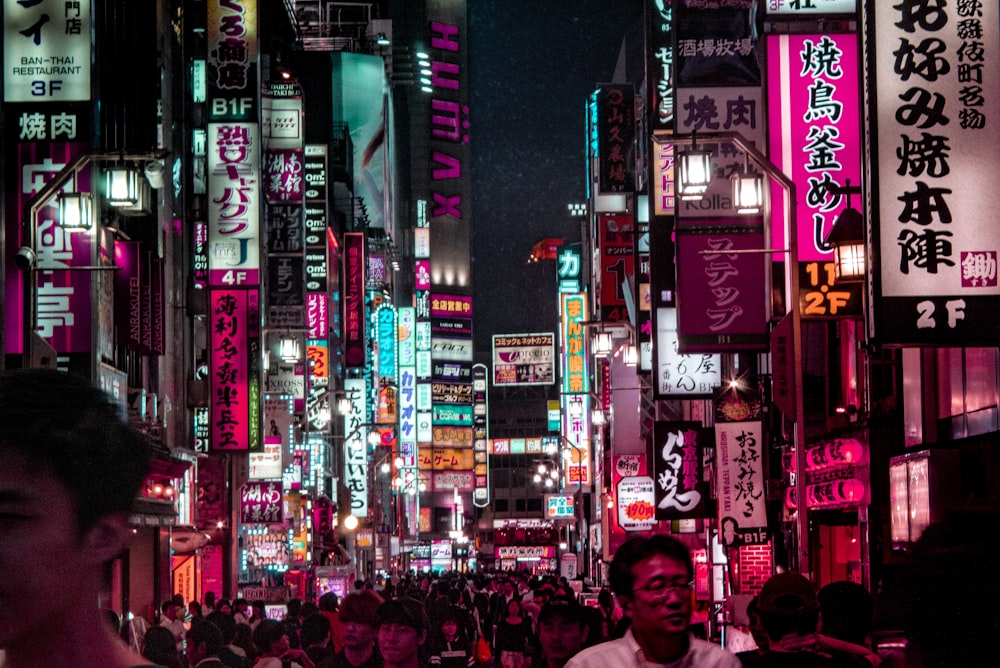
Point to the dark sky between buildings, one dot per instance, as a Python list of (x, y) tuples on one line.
[(532, 65)]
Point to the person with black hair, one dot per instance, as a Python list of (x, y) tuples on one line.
[(271, 639), (653, 579), (204, 640), (789, 611), (315, 637), (402, 632), (230, 654), (70, 470), (562, 633), (359, 619), (448, 646)]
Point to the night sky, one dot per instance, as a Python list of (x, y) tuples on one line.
[(532, 66)]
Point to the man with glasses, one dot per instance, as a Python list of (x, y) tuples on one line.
[(652, 578)]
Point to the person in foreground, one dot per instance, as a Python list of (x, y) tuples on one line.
[(652, 579), (70, 472), (402, 631)]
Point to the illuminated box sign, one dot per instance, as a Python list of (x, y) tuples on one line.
[(575, 377), (407, 336), (231, 35), (680, 375), (523, 359), (356, 446), (936, 107), (452, 415), (261, 502), (559, 506), (463, 481), (387, 332), (47, 51), (615, 107), (452, 350), (233, 204), (451, 393), (354, 299), (740, 483), (525, 551), (568, 269), (636, 503), (451, 306), (576, 431), (795, 8), (445, 459), (816, 139), (229, 369), (451, 371), (678, 452), (456, 437), (617, 245)]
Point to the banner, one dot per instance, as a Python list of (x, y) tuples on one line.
[(678, 454)]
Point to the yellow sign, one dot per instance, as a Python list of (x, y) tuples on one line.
[(445, 459)]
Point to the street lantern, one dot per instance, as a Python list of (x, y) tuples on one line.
[(122, 186), (289, 349), (748, 193), (603, 343), (75, 211), (847, 238), (694, 173)]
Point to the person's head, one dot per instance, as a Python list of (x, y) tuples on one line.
[(315, 630), (210, 598), (652, 579), (359, 618), (788, 606), (160, 646), (225, 624), (328, 602), (562, 631), (513, 607), (225, 607), (194, 607), (204, 639), (402, 630), (169, 609), (70, 472), (449, 626), (293, 609), (240, 605), (258, 610), (271, 638), (756, 626), (845, 611)]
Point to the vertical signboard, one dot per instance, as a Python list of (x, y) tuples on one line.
[(678, 452), (936, 88), (230, 397), (480, 436), (354, 300), (721, 300), (47, 46), (575, 376), (739, 467), (233, 204), (680, 375), (616, 249), (233, 45), (615, 106), (815, 132), (355, 447)]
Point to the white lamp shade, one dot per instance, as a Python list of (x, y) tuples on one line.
[(694, 173), (289, 349), (122, 187), (603, 343), (748, 193), (850, 262), (75, 211)]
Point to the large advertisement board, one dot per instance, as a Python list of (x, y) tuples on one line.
[(524, 359)]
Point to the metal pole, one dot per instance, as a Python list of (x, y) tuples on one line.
[(792, 300)]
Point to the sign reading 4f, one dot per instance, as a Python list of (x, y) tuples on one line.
[(46, 47)]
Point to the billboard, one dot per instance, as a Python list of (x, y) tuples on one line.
[(524, 359)]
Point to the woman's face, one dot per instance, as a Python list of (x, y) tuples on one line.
[(513, 608), (449, 628)]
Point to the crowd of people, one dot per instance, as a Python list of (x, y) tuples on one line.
[(71, 470)]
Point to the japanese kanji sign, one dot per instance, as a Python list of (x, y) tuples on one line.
[(261, 502), (46, 51), (739, 482), (678, 451), (936, 104)]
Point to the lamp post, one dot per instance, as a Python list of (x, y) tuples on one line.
[(792, 282)]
